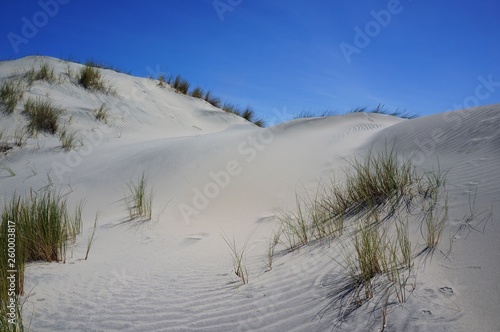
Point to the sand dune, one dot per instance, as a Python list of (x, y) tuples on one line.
[(216, 173)]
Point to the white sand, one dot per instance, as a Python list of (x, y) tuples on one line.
[(175, 272)]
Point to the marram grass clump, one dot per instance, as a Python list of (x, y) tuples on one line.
[(43, 115)]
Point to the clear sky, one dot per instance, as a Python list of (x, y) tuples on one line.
[(421, 56)]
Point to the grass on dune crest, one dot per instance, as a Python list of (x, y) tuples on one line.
[(44, 73), (90, 77), (380, 110)]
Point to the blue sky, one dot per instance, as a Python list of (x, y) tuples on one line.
[(421, 56)]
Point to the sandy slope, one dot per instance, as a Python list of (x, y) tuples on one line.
[(213, 173)]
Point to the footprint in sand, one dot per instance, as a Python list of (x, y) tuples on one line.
[(195, 238), (426, 313), (447, 291)]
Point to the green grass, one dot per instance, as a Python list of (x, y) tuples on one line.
[(139, 201), (91, 238), (214, 101), (42, 226), (44, 73), (101, 113), (162, 82), (104, 65), (368, 211), (90, 78), (380, 110), (311, 114), (181, 85), (371, 254), (197, 93), (238, 256), (249, 115), (69, 140), (43, 115), (11, 92)]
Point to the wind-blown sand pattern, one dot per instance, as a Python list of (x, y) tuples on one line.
[(174, 273)]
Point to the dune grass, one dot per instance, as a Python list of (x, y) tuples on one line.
[(380, 110), (162, 82), (44, 73), (35, 228), (104, 65), (181, 85), (369, 213), (43, 115), (91, 238), (11, 92), (197, 93), (238, 256), (90, 78), (311, 114), (101, 114), (139, 201), (214, 101), (69, 139), (249, 114)]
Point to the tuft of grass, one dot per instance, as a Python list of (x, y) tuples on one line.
[(372, 254), (230, 108), (162, 82), (238, 255), (20, 136), (11, 92), (274, 240), (44, 73), (181, 85), (43, 115), (310, 114), (90, 78), (101, 113), (69, 140), (139, 201), (43, 226), (380, 110), (197, 93), (104, 65), (214, 101), (249, 115)]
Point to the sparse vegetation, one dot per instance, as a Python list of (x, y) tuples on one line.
[(90, 78), (43, 115), (139, 201), (104, 65), (380, 110), (11, 92), (44, 73), (311, 114), (162, 81), (238, 255), (214, 101), (42, 226), (101, 113), (370, 215), (91, 238), (249, 115), (69, 140), (197, 92), (181, 85)]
